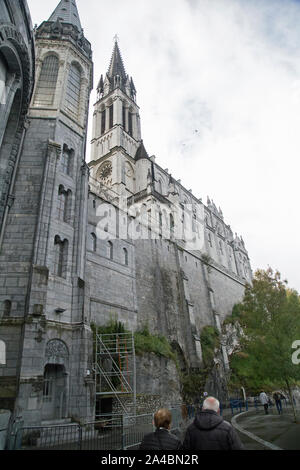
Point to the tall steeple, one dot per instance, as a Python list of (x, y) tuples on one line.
[(116, 128), (116, 76), (116, 66), (66, 12)]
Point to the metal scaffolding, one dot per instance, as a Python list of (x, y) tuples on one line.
[(115, 369)]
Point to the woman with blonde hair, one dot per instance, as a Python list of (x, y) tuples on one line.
[(161, 438)]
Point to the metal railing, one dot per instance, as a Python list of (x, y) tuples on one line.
[(108, 433)]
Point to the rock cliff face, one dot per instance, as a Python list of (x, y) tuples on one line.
[(158, 376)]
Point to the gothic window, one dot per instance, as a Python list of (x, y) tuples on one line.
[(93, 242), (73, 90), (221, 247), (124, 116), (48, 385), (60, 257), (2, 353), (67, 160), (62, 204), (45, 90), (130, 124), (160, 220), (111, 116), (209, 240), (149, 219), (6, 308), (171, 223), (110, 250), (103, 118), (125, 253)]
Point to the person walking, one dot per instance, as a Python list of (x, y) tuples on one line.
[(209, 431), (278, 397), (161, 438), (264, 401)]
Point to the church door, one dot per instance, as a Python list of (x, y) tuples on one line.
[(54, 392)]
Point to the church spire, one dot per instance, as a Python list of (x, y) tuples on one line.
[(116, 67), (116, 76), (66, 12)]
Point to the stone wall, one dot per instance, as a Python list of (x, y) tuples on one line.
[(4, 421)]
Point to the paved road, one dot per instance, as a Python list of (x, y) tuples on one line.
[(280, 430)]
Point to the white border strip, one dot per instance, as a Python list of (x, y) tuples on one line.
[(249, 434)]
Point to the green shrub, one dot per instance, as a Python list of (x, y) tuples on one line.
[(192, 384), (145, 342), (210, 340)]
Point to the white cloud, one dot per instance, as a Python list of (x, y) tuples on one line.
[(230, 70)]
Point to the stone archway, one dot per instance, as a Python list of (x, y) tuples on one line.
[(56, 381)]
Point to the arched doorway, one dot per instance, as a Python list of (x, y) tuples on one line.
[(54, 392), (56, 381)]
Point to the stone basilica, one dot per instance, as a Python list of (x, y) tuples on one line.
[(82, 243)]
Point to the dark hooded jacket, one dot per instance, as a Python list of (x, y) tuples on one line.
[(210, 432), (160, 439)]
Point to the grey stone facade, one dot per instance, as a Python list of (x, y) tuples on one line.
[(57, 274)]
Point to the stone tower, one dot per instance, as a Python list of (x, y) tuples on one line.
[(44, 244), (116, 129)]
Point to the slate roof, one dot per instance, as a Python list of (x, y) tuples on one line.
[(141, 152), (67, 11)]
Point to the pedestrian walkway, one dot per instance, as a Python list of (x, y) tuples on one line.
[(280, 430)]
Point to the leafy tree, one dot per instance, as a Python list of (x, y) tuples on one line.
[(270, 319)]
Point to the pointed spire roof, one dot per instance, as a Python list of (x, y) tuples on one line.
[(116, 66), (141, 152), (66, 11)]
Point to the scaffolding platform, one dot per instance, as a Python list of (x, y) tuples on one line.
[(115, 369)]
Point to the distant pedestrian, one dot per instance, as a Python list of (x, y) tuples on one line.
[(161, 438), (264, 401), (278, 397), (210, 432)]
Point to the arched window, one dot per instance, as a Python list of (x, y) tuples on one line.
[(73, 90), (124, 116), (125, 252), (172, 225), (93, 242), (67, 160), (111, 116), (103, 121), (62, 204), (110, 250), (45, 90), (2, 353), (160, 221), (60, 257), (130, 123)]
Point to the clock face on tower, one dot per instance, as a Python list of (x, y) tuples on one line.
[(105, 171)]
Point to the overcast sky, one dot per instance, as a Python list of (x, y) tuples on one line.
[(218, 85)]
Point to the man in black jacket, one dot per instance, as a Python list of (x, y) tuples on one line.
[(210, 432), (161, 438)]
